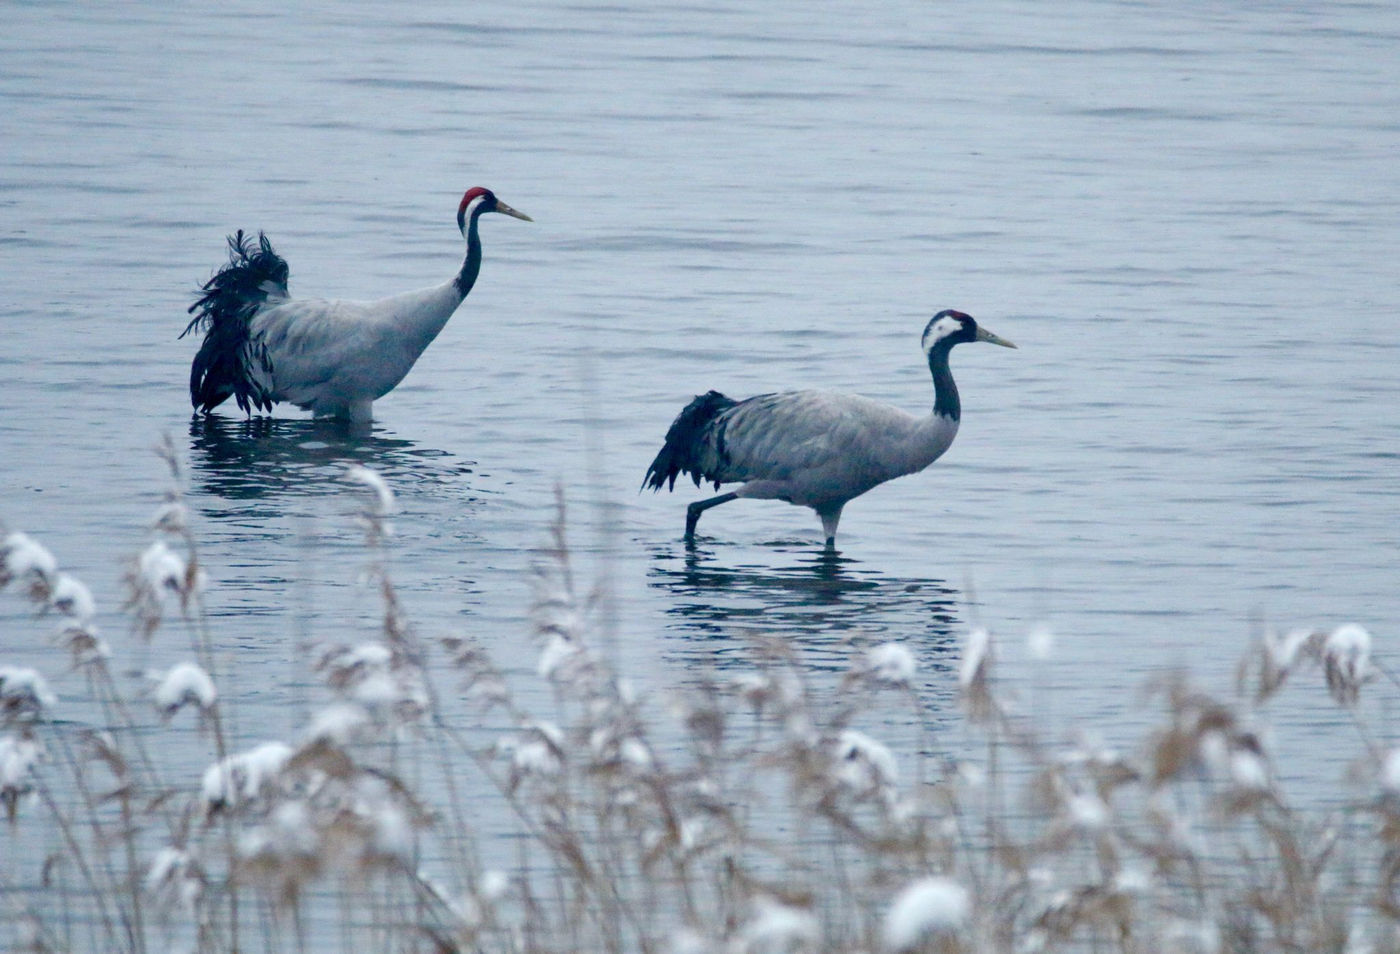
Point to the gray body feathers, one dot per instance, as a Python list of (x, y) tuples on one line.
[(815, 449)]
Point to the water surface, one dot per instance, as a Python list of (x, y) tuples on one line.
[(1184, 215)]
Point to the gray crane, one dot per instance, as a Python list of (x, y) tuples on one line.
[(334, 358), (815, 449)]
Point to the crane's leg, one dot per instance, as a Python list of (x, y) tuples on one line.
[(693, 512), (361, 412), (830, 518)]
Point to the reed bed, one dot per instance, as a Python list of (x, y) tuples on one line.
[(742, 814)]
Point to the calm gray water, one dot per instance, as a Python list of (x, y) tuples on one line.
[(1185, 215)]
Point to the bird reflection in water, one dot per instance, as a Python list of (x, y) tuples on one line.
[(279, 506), (825, 604), (264, 457)]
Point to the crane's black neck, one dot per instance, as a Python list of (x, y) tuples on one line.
[(945, 389), (471, 266)]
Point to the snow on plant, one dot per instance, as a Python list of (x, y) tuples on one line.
[(863, 765), (892, 663), (18, 756), (71, 597), (33, 566), (25, 559), (778, 928), (158, 575), (24, 695), (339, 723), (185, 683), (1346, 655), (175, 880), (934, 909), (385, 682), (974, 675), (237, 779), (385, 504)]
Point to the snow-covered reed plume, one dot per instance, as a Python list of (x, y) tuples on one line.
[(339, 723), (537, 751), (892, 663), (25, 559), (241, 778), (778, 928), (185, 683), (33, 567), (1281, 653), (1389, 775), (350, 823), (385, 682), (163, 571), (71, 597), (175, 880), (1346, 658), (1344, 653), (974, 675), (24, 695), (161, 575), (18, 756), (385, 503), (928, 914), (863, 765), (375, 518)]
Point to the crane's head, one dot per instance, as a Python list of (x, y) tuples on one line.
[(950, 327), (479, 200)]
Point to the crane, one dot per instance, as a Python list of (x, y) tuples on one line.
[(815, 449), (333, 358)]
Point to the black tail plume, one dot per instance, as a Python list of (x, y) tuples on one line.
[(224, 312), (684, 450)]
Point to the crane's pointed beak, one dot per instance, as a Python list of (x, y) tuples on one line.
[(507, 210), (984, 335)]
